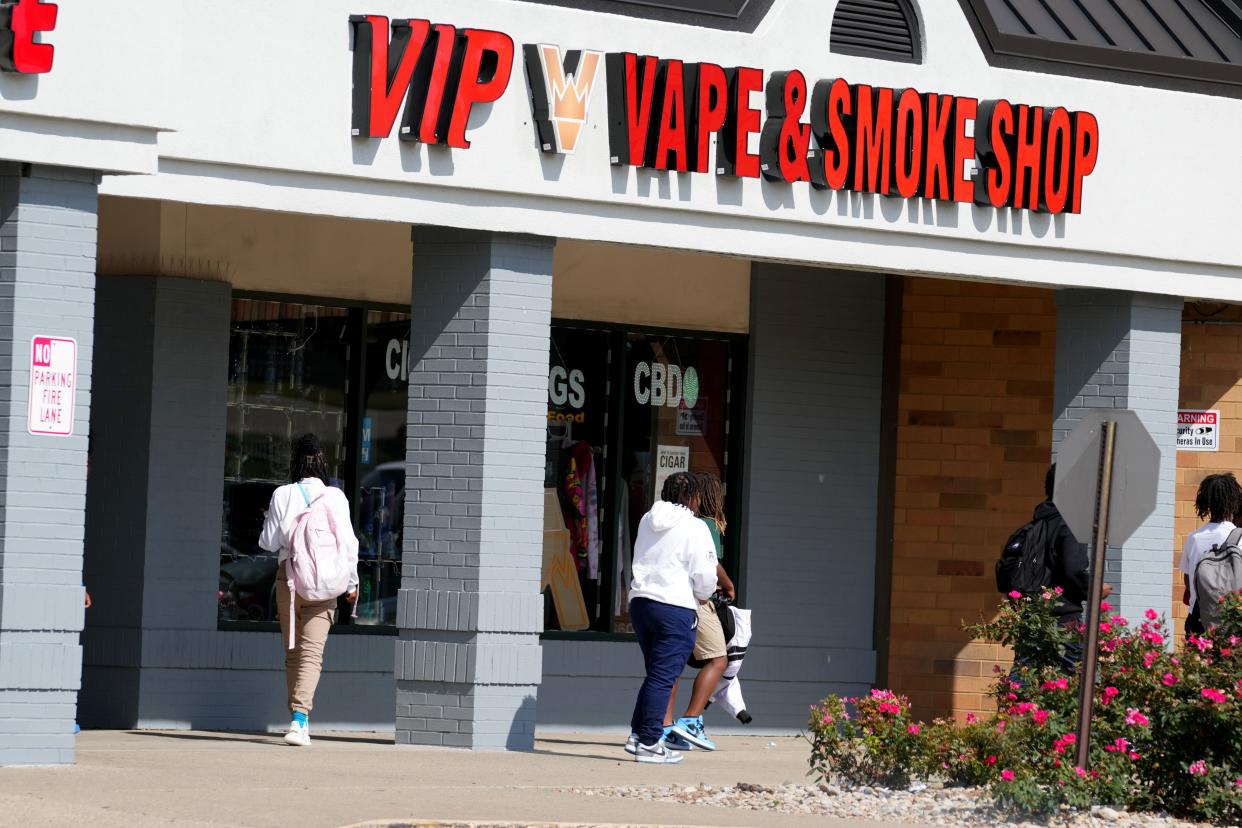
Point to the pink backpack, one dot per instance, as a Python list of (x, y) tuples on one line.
[(323, 556)]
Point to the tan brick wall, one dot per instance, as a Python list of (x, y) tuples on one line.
[(973, 443), (1211, 378)]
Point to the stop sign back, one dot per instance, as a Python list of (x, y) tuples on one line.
[(1136, 475)]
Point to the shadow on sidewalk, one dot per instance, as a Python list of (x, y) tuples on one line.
[(275, 739)]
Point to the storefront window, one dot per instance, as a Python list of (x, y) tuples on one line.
[(381, 467), (676, 419), (287, 369), (298, 368), (656, 403), (575, 481)]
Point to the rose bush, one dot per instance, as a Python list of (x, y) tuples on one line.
[(1166, 734)]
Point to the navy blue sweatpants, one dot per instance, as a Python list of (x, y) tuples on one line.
[(666, 635)]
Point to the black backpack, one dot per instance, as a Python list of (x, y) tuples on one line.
[(1025, 563)]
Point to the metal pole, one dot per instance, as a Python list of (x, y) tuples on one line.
[(1086, 693)]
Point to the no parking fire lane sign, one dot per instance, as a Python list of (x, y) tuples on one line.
[(53, 378)]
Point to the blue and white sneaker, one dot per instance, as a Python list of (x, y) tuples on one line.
[(675, 742), (631, 744), (299, 734), (691, 729)]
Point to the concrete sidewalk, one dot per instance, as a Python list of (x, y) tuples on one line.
[(198, 779)]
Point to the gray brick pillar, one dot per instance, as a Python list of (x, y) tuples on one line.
[(154, 506), (47, 287), (468, 661), (1117, 349)]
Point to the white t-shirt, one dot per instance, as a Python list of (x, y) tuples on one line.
[(1198, 544), (287, 503)]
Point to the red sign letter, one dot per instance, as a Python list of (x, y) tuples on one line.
[(19, 22), (1086, 149), (713, 109), (485, 73)]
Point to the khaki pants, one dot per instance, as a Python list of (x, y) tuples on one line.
[(304, 662)]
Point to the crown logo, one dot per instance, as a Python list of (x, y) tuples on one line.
[(561, 87)]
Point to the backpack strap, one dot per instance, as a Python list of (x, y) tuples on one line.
[(1234, 538), (305, 496)]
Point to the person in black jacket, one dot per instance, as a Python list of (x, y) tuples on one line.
[(1069, 568)]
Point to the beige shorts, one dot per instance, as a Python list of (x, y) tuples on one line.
[(709, 642)]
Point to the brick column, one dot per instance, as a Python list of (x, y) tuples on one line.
[(1117, 349), (47, 286), (468, 659)]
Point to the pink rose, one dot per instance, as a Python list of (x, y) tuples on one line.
[(1151, 615), (1197, 768), (970, 718), (1121, 621), (1108, 694), (1105, 606), (1040, 717), (1007, 775), (1015, 595), (913, 730), (1214, 695), (1081, 772), (991, 760), (1169, 679), (1135, 718), (1058, 590)]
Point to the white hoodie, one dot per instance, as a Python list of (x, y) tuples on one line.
[(674, 557)]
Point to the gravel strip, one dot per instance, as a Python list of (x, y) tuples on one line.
[(935, 805)]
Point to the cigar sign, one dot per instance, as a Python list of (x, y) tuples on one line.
[(665, 114)]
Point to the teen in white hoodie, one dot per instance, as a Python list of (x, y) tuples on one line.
[(674, 571)]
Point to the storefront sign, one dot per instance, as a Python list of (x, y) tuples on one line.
[(669, 461), (560, 93), (20, 22), (1198, 430), (663, 114), (53, 377), (438, 72)]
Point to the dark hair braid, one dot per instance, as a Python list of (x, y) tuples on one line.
[(680, 488), (711, 499), (308, 460), (1219, 498)]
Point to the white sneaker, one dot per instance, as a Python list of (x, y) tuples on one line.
[(298, 735), (657, 754), (631, 744)]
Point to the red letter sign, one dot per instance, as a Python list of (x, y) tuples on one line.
[(19, 22)]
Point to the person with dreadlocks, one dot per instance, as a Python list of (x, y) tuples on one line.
[(709, 644), (674, 571), (311, 620), (1218, 501)]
